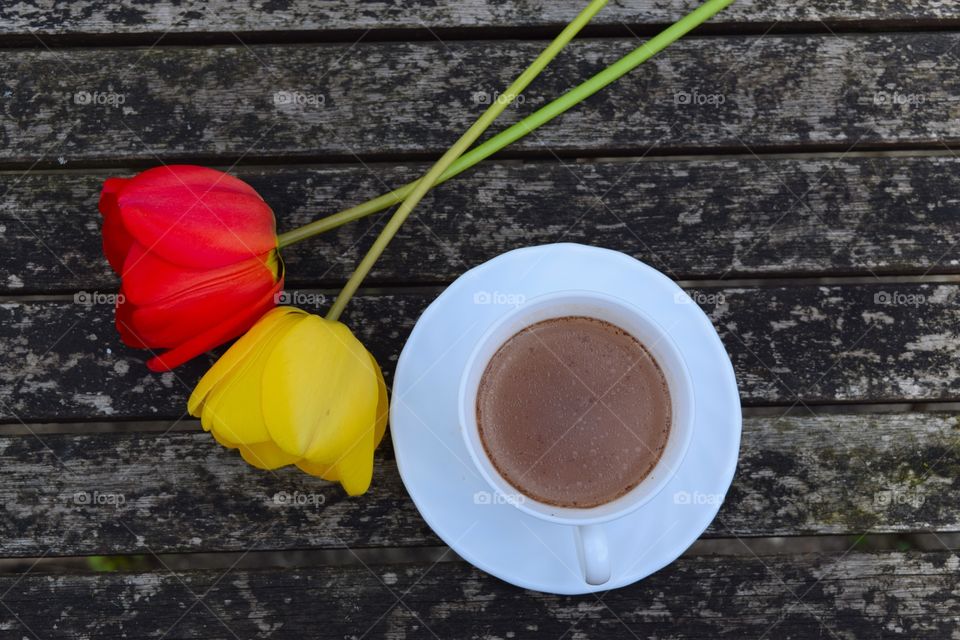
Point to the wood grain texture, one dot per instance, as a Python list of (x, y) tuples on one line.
[(690, 219), (196, 16), (801, 344), (859, 595), (383, 99), (76, 494), (181, 492)]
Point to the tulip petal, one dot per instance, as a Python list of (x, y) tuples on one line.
[(320, 390), (123, 321), (355, 467), (216, 335), (266, 455), (231, 418), (353, 470), (325, 471), (233, 408), (173, 320), (108, 195), (223, 441), (236, 355), (355, 476), (149, 279), (200, 219), (180, 175)]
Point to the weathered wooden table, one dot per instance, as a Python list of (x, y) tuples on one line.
[(793, 164)]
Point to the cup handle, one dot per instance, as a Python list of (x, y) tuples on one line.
[(594, 553)]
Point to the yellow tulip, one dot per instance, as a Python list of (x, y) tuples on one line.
[(297, 389)]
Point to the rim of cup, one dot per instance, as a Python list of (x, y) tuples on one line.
[(605, 307)]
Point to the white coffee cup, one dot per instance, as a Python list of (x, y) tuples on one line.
[(587, 523)]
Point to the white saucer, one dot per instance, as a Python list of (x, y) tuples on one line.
[(446, 487)]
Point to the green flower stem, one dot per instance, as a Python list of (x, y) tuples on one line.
[(624, 65), (423, 185)]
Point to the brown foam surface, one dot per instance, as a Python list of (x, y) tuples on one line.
[(573, 411)]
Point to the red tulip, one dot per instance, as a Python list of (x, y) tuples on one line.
[(196, 251)]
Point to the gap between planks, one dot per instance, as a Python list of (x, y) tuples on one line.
[(652, 153), (169, 38), (305, 558), (248, 163), (192, 425), (774, 281)]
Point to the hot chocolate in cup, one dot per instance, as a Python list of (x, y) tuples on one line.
[(577, 408)]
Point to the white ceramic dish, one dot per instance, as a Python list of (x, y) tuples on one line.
[(454, 498)]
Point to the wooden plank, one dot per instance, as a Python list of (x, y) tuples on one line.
[(88, 17), (691, 219), (856, 343), (382, 99), (858, 595), (181, 492)]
